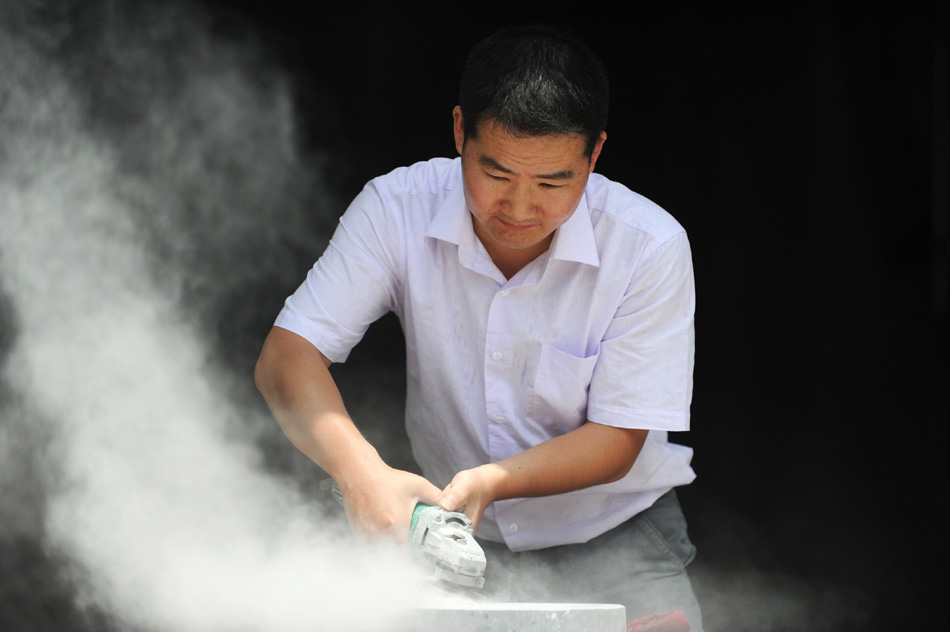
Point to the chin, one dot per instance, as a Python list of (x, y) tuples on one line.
[(517, 244)]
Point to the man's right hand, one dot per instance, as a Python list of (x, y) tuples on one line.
[(381, 501), (293, 377)]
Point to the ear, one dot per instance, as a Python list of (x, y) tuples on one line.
[(596, 153), (458, 128)]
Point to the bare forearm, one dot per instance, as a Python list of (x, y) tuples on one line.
[(294, 378), (295, 381), (590, 455)]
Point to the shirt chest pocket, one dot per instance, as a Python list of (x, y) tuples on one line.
[(558, 400)]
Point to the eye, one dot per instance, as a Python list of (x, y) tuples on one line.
[(496, 178)]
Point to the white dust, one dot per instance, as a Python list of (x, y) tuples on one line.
[(153, 490)]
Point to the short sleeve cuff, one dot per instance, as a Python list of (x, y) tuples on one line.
[(335, 349), (672, 421)]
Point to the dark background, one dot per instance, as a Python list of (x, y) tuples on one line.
[(805, 150)]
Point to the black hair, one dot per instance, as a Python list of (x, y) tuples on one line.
[(535, 81)]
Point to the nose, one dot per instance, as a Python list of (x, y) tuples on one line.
[(520, 203)]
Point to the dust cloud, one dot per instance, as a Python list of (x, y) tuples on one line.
[(150, 180)]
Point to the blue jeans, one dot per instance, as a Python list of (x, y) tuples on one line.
[(640, 564)]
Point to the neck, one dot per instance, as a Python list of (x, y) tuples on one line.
[(510, 261)]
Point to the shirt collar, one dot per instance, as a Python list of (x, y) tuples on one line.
[(452, 221), (573, 241)]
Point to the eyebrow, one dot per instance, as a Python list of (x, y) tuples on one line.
[(491, 163)]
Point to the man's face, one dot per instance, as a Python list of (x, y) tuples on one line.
[(521, 189)]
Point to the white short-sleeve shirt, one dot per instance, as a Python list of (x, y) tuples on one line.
[(600, 328)]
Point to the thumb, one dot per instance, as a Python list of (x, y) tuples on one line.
[(449, 499)]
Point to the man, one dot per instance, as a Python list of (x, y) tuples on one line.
[(548, 316)]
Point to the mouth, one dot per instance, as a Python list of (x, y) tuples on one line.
[(515, 226)]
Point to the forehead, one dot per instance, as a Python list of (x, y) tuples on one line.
[(495, 146)]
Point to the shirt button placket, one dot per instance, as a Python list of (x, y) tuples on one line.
[(497, 375)]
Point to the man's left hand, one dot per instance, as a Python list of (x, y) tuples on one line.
[(471, 491)]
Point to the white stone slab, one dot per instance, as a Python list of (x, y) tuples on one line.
[(518, 617)]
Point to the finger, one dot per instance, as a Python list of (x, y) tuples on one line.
[(395, 532), (428, 493), (449, 500), (399, 533), (447, 503)]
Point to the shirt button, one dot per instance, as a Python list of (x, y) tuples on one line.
[(496, 355), (513, 528), (499, 419), (505, 292)]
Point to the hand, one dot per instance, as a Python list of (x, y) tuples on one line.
[(382, 501), (471, 491)]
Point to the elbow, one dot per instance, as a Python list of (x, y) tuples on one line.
[(262, 370), (629, 442), (622, 470), (259, 375)]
